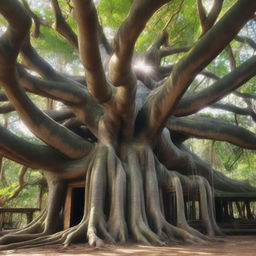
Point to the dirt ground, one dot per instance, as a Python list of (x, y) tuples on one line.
[(230, 246)]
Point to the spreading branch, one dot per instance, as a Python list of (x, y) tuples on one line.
[(6, 108), (44, 127), (245, 95), (209, 128), (160, 104), (236, 110), (35, 62), (28, 153), (87, 20), (217, 90), (62, 27), (208, 20), (247, 40), (37, 20), (120, 72)]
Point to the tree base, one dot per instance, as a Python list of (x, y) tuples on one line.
[(123, 203)]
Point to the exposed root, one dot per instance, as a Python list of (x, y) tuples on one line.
[(31, 228), (122, 201), (117, 182), (137, 220), (174, 181), (154, 209)]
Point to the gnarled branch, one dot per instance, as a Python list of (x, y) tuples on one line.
[(236, 110), (217, 90), (62, 27), (87, 20), (207, 21), (160, 104), (209, 128), (44, 127)]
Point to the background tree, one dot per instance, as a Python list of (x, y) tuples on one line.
[(121, 126)]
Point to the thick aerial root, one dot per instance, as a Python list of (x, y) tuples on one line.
[(154, 210), (93, 226), (208, 198), (172, 180), (117, 182), (96, 217), (137, 220), (122, 201)]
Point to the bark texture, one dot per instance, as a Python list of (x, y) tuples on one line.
[(122, 130)]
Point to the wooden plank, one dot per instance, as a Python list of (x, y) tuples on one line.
[(67, 210), (19, 210)]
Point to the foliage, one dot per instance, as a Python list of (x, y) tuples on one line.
[(233, 161)]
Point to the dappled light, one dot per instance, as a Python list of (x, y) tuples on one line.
[(231, 246)]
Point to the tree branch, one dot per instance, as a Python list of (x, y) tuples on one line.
[(42, 126), (160, 104), (59, 90), (87, 20), (59, 115), (245, 95), (208, 128), (173, 50), (207, 21), (70, 93), (234, 109), (37, 21), (104, 41), (6, 108), (231, 56), (202, 12), (217, 90), (34, 61), (247, 40), (62, 27), (40, 156), (28, 153), (120, 73)]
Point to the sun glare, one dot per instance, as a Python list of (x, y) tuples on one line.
[(142, 66)]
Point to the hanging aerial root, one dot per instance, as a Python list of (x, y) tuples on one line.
[(206, 201), (93, 226), (137, 219), (155, 214), (96, 218), (122, 202), (174, 181), (117, 185)]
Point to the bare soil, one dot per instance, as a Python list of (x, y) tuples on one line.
[(229, 246)]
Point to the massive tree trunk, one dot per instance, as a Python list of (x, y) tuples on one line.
[(122, 133)]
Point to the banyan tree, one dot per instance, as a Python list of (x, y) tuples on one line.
[(122, 123)]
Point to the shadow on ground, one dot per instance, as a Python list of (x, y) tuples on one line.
[(230, 246)]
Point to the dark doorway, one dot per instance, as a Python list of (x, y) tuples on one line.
[(77, 206)]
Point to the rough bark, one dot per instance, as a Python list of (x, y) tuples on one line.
[(112, 133)]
